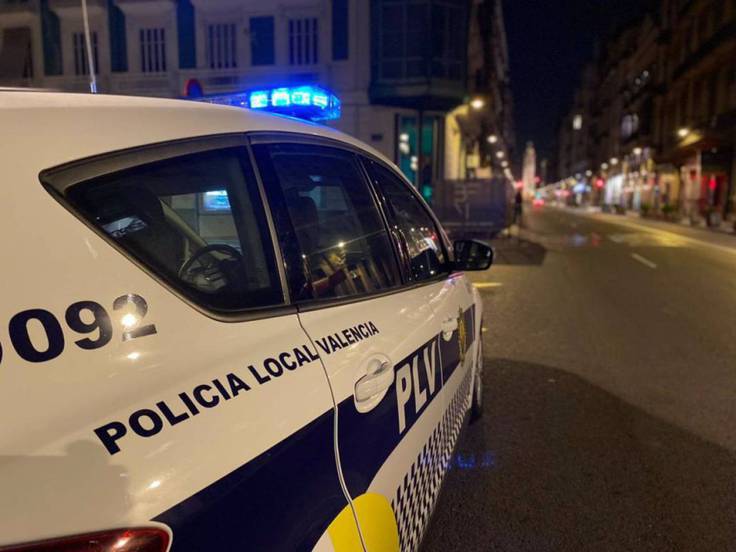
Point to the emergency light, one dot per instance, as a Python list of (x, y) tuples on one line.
[(305, 102)]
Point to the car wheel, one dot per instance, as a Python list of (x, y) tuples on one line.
[(476, 407)]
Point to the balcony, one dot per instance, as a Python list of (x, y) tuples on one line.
[(75, 83), (19, 12), (144, 84), (18, 6), (76, 4), (218, 81), (73, 8), (418, 53), (147, 8), (19, 82), (706, 50)]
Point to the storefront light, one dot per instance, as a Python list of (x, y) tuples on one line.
[(604, 166), (477, 103), (637, 151), (492, 139), (682, 132), (613, 161), (500, 154)]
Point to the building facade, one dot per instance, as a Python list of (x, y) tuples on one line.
[(661, 126), (482, 129), (398, 66)]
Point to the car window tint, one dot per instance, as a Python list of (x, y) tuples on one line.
[(343, 242), (422, 239), (195, 220)]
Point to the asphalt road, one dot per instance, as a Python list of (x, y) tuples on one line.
[(610, 394)]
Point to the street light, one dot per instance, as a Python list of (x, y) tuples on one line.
[(500, 154), (614, 161), (588, 173), (604, 166), (492, 139), (637, 151), (682, 132), (505, 164), (477, 103)]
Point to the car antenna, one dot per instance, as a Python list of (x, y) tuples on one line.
[(88, 44)]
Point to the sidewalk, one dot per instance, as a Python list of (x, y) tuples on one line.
[(718, 238)]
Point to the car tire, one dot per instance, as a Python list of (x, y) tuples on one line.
[(476, 406)]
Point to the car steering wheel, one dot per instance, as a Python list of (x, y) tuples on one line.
[(196, 257)]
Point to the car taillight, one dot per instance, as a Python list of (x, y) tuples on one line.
[(145, 539)]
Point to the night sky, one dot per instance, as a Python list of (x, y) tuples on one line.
[(549, 42)]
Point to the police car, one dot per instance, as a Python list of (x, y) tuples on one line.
[(221, 330)]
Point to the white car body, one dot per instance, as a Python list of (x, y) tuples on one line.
[(60, 477)]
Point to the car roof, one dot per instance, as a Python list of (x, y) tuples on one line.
[(46, 129)]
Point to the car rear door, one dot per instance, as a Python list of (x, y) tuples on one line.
[(374, 326), (172, 382)]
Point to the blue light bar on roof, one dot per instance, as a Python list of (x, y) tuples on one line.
[(305, 102)]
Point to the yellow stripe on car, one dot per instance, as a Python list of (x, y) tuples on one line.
[(377, 523)]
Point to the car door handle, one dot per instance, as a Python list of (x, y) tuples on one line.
[(374, 384), (448, 328)]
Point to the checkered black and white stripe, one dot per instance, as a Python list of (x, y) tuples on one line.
[(416, 496)]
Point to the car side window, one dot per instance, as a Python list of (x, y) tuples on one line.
[(195, 220), (419, 233), (344, 246)]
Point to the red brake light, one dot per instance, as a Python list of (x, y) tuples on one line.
[(147, 539)]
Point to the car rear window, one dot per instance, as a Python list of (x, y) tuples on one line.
[(196, 221)]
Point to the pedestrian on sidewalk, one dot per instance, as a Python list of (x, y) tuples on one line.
[(518, 207)]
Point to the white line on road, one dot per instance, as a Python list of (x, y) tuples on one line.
[(644, 260), (481, 285)]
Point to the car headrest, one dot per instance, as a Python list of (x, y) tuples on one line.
[(304, 212), (130, 201)]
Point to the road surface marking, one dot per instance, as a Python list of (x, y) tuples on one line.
[(644, 260), (481, 285), (630, 224)]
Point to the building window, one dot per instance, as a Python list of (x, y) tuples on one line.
[(118, 38), (51, 36), (15, 53), (221, 46), (261, 41), (185, 28), (683, 106), (303, 41), (448, 53), (80, 53), (419, 39), (340, 23), (402, 28), (153, 50)]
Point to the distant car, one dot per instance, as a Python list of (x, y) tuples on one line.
[(221, 330)]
